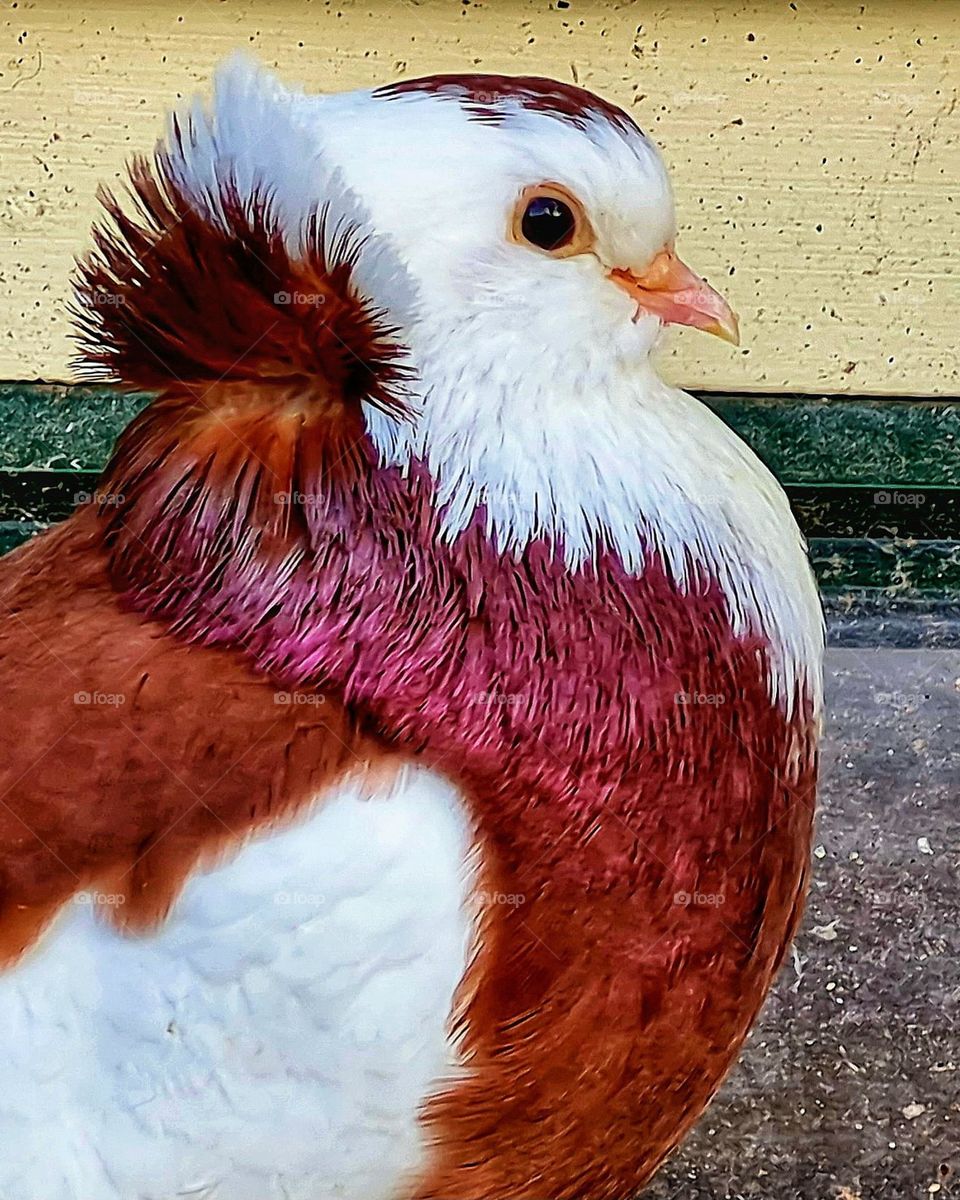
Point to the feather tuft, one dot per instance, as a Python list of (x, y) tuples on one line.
[(210, 279)]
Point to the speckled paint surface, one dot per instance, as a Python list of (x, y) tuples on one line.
[(815, 148)]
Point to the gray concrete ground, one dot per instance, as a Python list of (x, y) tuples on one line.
[(849, 1087)]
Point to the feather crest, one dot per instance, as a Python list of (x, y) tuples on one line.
[(223, 272)]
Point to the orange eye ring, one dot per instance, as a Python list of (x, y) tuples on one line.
[(551, 220)]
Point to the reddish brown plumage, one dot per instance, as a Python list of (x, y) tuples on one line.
[(258, 546), (127, 757), (248, 347), (600, 1015), (172, 299), (485, 98)]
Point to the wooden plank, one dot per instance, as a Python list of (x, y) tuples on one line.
[(54, 428), (803, 439), (815, 149), (874, 484), (853, 441)]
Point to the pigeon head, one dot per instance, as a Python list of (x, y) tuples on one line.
[(465, 275), (530, 213)]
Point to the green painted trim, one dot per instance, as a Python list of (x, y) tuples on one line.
[(804, 439), (849, 440), (906, 512), (898, 568), (838, 458), (12, 533), (53, 427)]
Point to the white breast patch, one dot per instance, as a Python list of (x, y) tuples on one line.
[(274, 1041)]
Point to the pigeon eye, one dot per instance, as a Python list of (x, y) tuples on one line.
[(548, 223), (550, 219)]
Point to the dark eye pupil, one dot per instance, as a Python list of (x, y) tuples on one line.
[(548, 223)]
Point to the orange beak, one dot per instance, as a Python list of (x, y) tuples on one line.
[(678, 296)]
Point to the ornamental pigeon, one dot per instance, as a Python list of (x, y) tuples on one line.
[(408, 752)]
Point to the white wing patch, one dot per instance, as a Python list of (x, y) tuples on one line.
[(275, 1040)]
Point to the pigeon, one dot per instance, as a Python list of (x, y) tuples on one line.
[(409, 748)]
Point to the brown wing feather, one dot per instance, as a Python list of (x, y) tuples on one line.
[(127, 757)]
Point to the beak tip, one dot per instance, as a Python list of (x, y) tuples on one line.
[(731, 333), (726, 326)]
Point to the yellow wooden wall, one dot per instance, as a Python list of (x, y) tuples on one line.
[(815, 147)]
